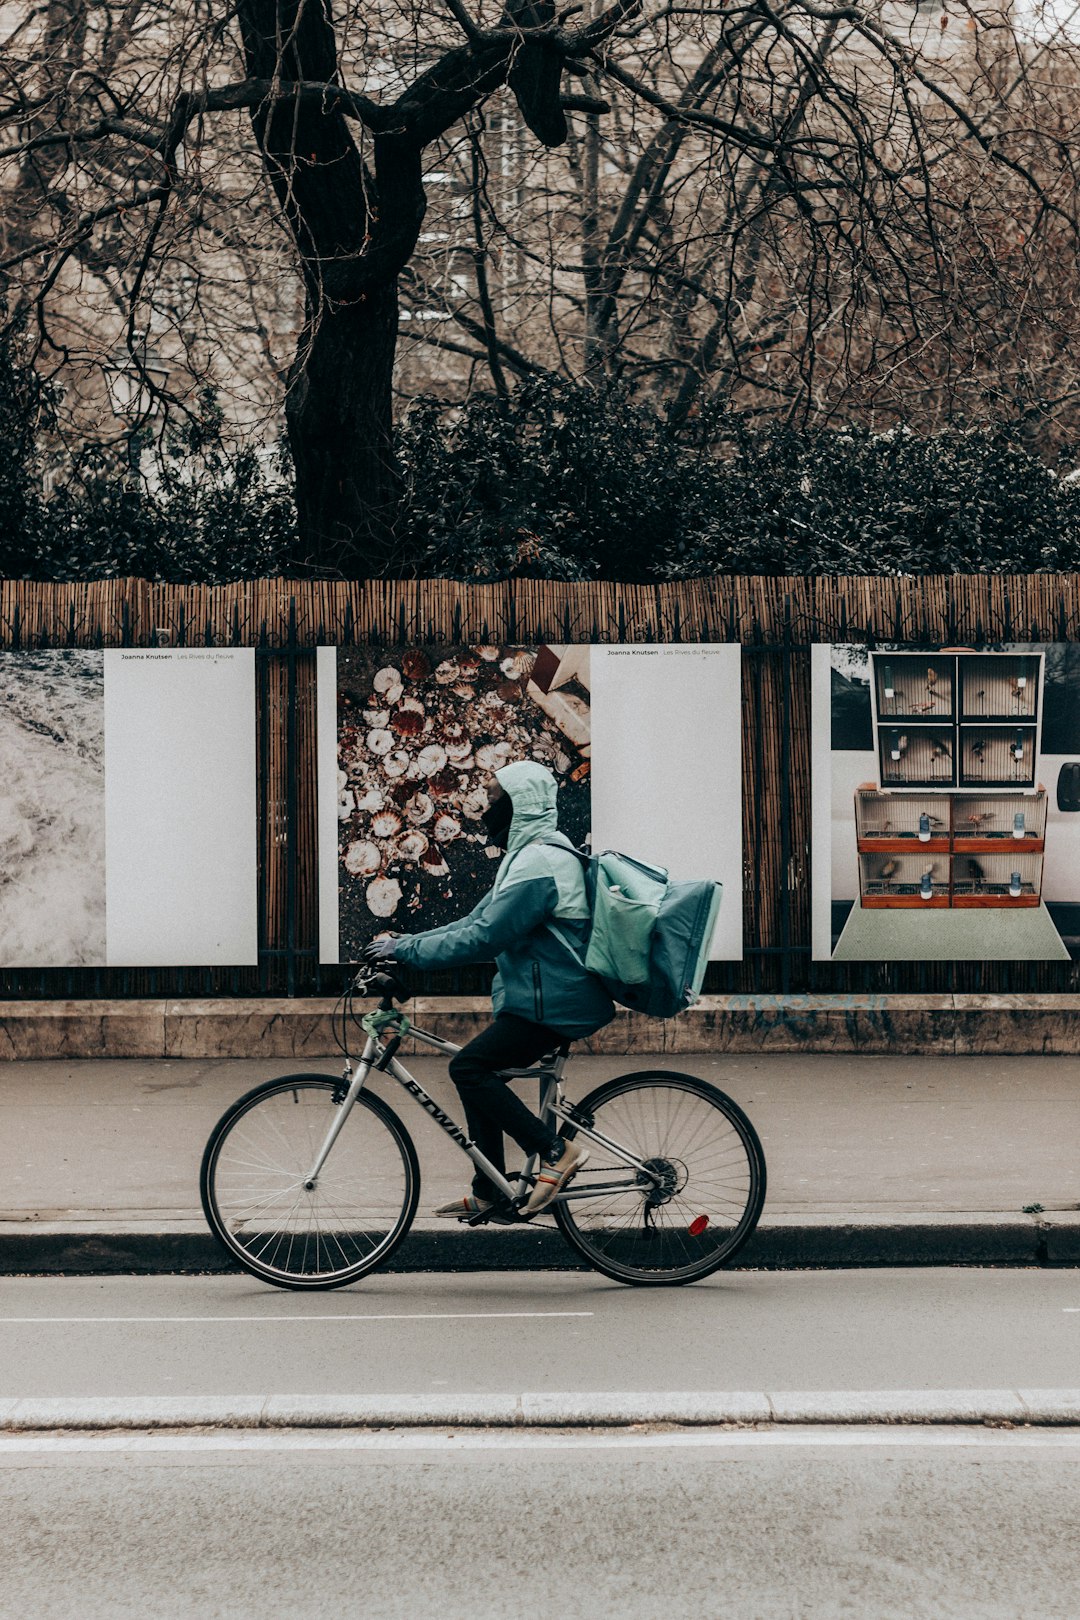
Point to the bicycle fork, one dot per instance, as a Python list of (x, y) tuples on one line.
[(354, 1084)]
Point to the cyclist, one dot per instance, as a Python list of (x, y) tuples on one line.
[(542, 994)]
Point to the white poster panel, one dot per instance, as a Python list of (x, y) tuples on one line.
[(329, 797), (821, 797), (667, 766), (644, 743), (52, 808), (180, 807)]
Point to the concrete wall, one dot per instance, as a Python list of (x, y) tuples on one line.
[(301, 1029)]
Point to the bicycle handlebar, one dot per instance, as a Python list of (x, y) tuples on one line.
[(389, 987)]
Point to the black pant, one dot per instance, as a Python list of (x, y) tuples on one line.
[(490, 1106)]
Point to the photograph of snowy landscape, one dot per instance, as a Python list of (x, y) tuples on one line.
[(52, 808)]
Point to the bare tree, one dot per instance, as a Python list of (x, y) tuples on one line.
[(783, 204), (805, 211)]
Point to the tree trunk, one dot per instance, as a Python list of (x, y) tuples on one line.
[(355, 229), (339, 413)]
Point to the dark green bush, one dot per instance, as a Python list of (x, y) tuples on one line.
[(559, 482), (565, 483)]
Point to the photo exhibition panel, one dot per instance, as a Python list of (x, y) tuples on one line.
[(946, 802), (128, 808), (643, 741)]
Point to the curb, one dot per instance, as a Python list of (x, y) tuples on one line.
[(789, 1243), (1027, 1408)]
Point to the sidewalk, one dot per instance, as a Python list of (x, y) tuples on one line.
[(871, 1161)]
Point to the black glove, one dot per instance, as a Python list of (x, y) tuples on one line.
[(380, 952)]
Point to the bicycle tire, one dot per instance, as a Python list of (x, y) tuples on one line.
[(653, 1249), (298, 1254)]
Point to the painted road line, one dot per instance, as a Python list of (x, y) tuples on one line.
[(254, 1441), (304, 1321)]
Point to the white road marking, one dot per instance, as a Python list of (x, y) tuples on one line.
[(303, 1321), (905, 1436)]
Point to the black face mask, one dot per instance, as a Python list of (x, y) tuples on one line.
[(497, 818)]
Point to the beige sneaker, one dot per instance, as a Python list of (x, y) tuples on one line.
[(553, 1177), (463, 1209)]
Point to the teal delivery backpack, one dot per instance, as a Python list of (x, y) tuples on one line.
[(649, 938)]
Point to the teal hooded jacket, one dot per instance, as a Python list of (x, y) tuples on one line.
[(540, 880)]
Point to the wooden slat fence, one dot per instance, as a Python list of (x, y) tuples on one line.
[(776, 619)]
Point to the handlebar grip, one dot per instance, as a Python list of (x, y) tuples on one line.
[(389, 987)]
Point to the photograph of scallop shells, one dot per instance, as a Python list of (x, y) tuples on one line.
[(420, 730)]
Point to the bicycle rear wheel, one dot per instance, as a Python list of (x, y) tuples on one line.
[(709, 1187), (257, 1201)]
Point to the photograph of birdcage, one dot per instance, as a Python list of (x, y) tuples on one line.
[(937, 796), (1012, 879), (999, 687), (914, 686), (903, 880), (997, 755), (987, 823), (917, 756), (884, 819)]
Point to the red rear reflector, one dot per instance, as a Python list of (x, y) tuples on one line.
[(698, 1226)]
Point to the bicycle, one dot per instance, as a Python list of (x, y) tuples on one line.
[(312, 1182)]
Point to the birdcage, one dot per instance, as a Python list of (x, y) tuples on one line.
[(885, 821), (997, 756), (904, 881), (1001, 821), (999, 687), (917, 756), (913, 686), (1008, 879)]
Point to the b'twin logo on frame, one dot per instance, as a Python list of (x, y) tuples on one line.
[(437, 1114)]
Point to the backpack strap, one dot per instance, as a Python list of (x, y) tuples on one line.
[(553, 927)]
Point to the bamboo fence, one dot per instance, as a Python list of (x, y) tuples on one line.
[(776, 619)]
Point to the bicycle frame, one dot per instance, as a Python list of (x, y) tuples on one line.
[(380, 1057)]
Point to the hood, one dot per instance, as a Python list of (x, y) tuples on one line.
[(533, 791)]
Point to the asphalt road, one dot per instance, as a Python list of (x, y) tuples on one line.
[(509, 1332), (877, 1525)]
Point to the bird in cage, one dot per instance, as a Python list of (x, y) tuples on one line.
[(939, 749), (931, 679), (976, 873), (978, 818), (887, 871), (978, 748)]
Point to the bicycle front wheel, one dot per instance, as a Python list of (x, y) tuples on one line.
[(259, 1202), (703, 1193)]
